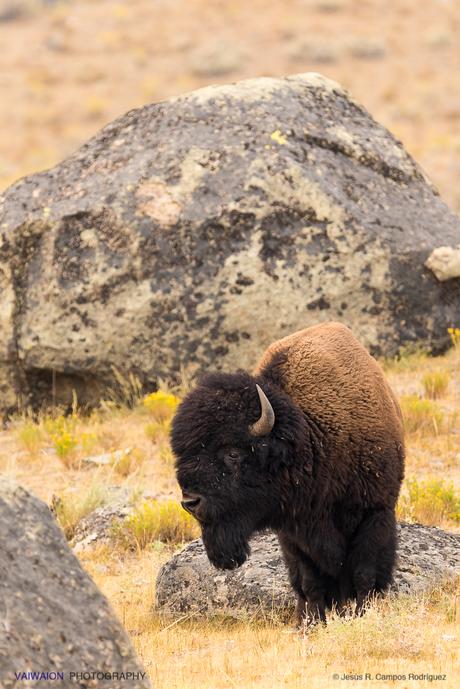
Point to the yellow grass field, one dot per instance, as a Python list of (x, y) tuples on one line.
[(417, 634)]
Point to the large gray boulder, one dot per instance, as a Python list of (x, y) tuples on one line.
[(53, 618), (195, 231), (189, 583)]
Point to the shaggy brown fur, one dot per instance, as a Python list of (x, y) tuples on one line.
[(332, 378), (326, 477)]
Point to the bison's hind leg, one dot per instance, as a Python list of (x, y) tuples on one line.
[(371, 557)]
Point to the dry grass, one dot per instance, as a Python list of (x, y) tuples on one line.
[(30, 435), (432, 501), (432, 426), (410, 358), (74, 504), (130, 462), (435, 383), (416, 634), (157, 431), (154, 521), (421, 415), (30, 453)]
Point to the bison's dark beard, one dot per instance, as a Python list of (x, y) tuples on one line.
[(226, 545)]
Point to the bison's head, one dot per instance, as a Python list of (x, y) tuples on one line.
[(235, 440)]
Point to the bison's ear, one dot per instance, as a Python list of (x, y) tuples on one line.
[(265, 423)]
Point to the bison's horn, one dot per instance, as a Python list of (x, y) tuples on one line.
[(264, 425)]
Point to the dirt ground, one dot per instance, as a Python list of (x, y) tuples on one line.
[(69, 68)]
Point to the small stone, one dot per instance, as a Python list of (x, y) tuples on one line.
[(439, 38), (321, 51), (330, 6), (108, 458), (444, 262), (216, 60), (97, 527), (366, 48), (57, 41)]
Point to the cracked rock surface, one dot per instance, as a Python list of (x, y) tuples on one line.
[(189, 583), (53, 617), (195, 231)]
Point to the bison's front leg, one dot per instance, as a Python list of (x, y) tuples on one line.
[(310, 586), (372, 555)]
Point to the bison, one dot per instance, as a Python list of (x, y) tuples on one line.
[(311, 446)]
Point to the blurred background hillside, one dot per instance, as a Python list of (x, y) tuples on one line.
[(67, 68)]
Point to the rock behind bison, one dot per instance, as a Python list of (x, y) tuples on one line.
[(311, 446)]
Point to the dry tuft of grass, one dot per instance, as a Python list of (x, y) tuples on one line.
[(158, 431), (30, 435), (166, 456), (435, 383), (421, 415), (432, 501), (126, 390), (156, 521), (454, 334), (72, 506), (129, 463), (409, 358)]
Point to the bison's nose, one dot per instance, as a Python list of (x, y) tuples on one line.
[(190, 502)]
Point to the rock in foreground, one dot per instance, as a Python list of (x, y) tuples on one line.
[(195, 231), (53, 617), (189, 583)]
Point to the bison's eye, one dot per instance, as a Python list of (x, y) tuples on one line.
[(231, 457)]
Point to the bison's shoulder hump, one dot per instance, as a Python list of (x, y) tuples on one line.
[(326, 341), (328, 373)]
